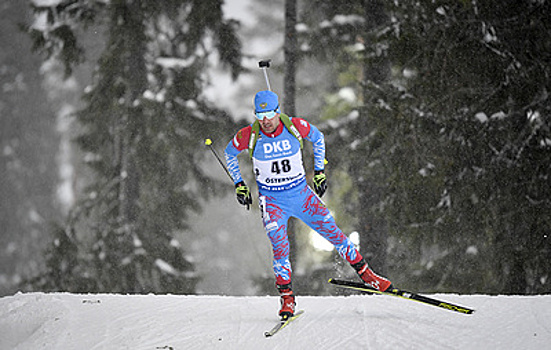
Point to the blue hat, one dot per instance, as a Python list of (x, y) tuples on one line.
[(265, 101)]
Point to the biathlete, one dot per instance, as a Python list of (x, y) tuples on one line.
[(274, 142)]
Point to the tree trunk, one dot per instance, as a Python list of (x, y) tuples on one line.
[(373, 232), (136, 82), (289, 91)]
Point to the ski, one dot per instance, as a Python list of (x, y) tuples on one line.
[(282, 324), (362, 287)]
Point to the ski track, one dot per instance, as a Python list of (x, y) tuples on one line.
[(150, 322)]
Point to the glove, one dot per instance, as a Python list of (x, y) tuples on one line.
[(243, 194), (320, 182)]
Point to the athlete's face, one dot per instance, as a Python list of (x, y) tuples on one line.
[(269, 125)]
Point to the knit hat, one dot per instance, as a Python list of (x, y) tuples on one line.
[(266, 101)]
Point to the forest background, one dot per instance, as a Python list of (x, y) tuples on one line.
[(436, 116)]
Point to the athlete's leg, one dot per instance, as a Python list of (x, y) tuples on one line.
[(315, 214), (275, 219)]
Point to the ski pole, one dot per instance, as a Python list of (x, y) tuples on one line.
[(264, 65), (208, 142)]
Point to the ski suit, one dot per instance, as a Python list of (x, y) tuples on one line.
[(283, 192)]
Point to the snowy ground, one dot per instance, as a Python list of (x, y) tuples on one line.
[(150, 322)]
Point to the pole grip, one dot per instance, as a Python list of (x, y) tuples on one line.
[(264, 65)]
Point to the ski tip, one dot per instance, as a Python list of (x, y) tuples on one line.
[(208, 142), (330, 280)]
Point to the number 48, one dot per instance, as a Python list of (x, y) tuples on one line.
[(284, 167)]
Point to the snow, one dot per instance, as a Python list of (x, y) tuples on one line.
[(499, 115), (348, 19), (149, 322), (46, 3), (347, 94), (174, 62), (481, 117)]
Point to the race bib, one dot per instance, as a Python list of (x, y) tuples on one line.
[(279, 174)]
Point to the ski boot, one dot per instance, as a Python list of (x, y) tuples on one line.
[(371, 278), (287, 301)]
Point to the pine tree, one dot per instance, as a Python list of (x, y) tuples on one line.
[(482, 111), (457, 140), (344, 36), (143, 122)]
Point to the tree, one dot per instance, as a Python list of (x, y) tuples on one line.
[(345, 36), (456, 141), (143, 120), (472, 176), (289, 90)]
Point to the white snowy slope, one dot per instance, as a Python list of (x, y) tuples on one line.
[(151, 322)]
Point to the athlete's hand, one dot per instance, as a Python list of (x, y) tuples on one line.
[(243, 194), (320, 182)]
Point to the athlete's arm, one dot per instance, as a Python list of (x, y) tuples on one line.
[(238, 144), (312, 134)]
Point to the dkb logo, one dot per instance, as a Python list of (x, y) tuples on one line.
[(278, 146)]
